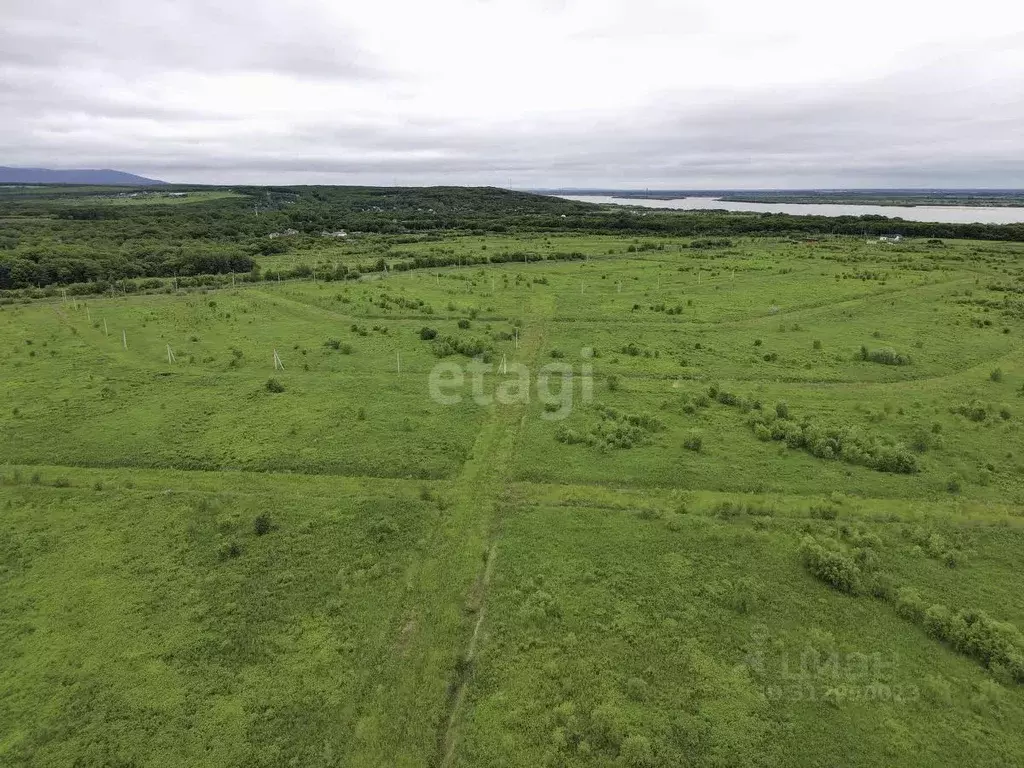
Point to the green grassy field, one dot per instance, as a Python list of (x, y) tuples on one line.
[(780, 522)]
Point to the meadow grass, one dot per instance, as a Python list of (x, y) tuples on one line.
[(213, 560)]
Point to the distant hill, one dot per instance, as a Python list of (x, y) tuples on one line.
[(103, 176)]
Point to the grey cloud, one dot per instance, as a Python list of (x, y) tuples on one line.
[(936, 122), (189, 35)]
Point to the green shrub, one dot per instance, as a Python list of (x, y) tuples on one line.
[(606, 726), (782, 409), (273, 385), (228, 550), (727, 510), (637, 689), (884, 356), (830, 565), (262, 525), (694, 441), (636, 752), (463, 323), (909, 604), (849, 444), (428, 333), (824, 512), (996, 375), (974, 410)]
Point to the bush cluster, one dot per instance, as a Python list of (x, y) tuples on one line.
[(884, 356), (829, 563), (726, 510), (974, 410), (445, 345), (937, 547), (996, 644), (694, 441), (614, 429), (849, 444)]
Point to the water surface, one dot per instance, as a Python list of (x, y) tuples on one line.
[(946, 214)]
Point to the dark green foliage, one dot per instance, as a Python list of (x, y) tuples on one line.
[(974, 410), (849, 444), (229, 550), (727, 510), (694, 441), (614, 429), (830, 564), (445, 345), (262, 525), (273, 385), (463, 323), (996, 375), (973, 633), (824, 511), (428, 334), (884, 356)]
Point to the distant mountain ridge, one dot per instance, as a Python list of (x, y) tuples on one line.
[(103, 176)]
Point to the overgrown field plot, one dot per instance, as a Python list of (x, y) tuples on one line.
[(208, 559), (79, 397), (689, 634), (163, 618)]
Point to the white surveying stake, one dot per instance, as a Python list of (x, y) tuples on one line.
[(278, 365), (170, 355)]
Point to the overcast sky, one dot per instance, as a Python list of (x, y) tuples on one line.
[(554, 93)]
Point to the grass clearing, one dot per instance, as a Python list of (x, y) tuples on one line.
[(207, 559)]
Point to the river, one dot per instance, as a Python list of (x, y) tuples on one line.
[(947, 214)]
